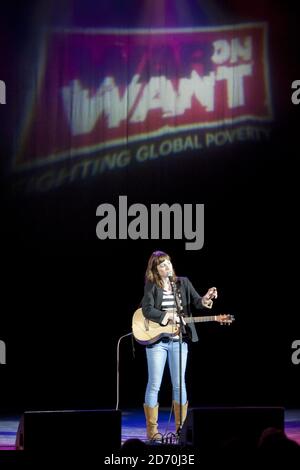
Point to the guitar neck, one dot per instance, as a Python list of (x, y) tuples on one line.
[(200, 319)]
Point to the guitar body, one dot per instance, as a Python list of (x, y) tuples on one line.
[(148, 332)]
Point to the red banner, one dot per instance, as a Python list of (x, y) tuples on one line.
[(104, 88)]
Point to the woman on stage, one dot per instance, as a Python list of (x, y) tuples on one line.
[(161, 306)]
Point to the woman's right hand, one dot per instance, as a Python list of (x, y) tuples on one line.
[(171, 317)]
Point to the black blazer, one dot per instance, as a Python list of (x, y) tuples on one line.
[(151, 302)]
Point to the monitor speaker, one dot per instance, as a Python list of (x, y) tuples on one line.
[(212, 428), (70, 429)]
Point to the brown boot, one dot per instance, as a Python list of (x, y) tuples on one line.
[(151, 415), (177, 413)]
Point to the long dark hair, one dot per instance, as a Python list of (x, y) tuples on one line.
[(152, 274)]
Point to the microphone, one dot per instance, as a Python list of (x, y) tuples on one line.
[(170, 276)]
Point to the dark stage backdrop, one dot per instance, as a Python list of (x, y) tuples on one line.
[(185, 102)]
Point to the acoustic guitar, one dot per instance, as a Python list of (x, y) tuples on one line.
[(147, 332)]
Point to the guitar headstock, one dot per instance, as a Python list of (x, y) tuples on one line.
[(225, 319)]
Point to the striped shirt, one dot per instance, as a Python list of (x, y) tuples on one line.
[(168, 302)]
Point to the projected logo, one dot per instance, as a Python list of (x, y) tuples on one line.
[(106, 89)]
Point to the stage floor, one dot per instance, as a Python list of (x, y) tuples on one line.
[(133, 426)]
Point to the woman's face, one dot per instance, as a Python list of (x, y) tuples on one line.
[(165, 268)]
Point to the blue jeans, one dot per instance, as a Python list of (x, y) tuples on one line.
[(157, 355)]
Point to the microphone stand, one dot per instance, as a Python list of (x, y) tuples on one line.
[(181, 330)]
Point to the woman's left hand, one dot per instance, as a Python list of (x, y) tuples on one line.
[(207, 299)]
